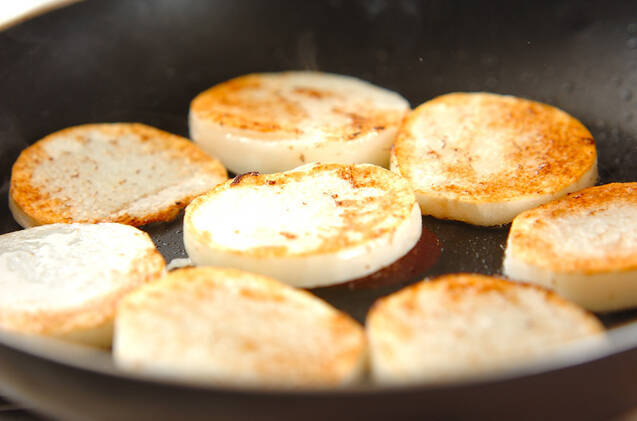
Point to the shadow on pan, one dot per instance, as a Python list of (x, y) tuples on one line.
[(143, 61)]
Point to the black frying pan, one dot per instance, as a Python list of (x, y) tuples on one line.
[(144, 60)]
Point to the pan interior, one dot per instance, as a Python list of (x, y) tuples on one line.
[(144, 61)]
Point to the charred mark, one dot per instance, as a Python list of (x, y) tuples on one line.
[(238, 178)]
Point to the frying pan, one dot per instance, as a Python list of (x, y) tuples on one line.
[(119, 60)]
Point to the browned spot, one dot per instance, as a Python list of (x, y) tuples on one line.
[(258, 295), (346, 174), (82, 139), (340, 325), (249, 346), (410, 304), (288, 235), (313, 93), (476, 285), (357, 119)]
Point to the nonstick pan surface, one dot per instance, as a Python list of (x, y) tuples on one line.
[(119, 60)]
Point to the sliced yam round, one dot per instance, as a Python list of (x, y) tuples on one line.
[(230, 327), (65, 280), (583, 246), (317, 225), (467, 325), (273, 122), (113, 172), (483, 158)]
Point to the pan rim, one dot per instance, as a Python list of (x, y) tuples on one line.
[(41, 9), (72, 356)]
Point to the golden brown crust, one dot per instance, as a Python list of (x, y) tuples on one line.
[(37, 204), (547, 149), (461, 326), (256, 103), (530, 235), (226, 105), (92, 314), (398, 201), (202, 285), (41, 206), (462, 287)]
